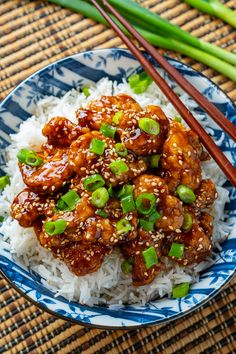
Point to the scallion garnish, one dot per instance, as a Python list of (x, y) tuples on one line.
[(117, 117), (127, 203), (145, 203), (1, 218), (186, 194), (100, 197), (68, 201), (146, 224), (4, 181), (108, 130), (149, 126), (176, 250), (121, 150), (57, 227), (154, 160), (127, 266), (97, 146), (178, 119), (123, 226), (86, 91), (180, 290), (125, 190), (102, 213), (118, 167), (150, 257), (188, 222), (29, 158), (93, 182)]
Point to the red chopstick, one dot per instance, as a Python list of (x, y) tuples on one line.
[(206, 140)]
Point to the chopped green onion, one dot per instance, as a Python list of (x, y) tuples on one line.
[(118, 167), (180, 290), (97, 146), (141, 87), (154, 216), (108, 130), (188, 222), (94, 182), (111, 192), (149, 126), (154, 160), (178, 119), (55, 227), (146, 224), (121, 150), (86, 91), (1, 218), (123, 226), (126, 266), (176, 250), (29, 158), (145, 203), (100, 197), (150, 257), (4, 180), (186, 194), (68, 201), (102, 213), (127, 203), (134, 80), (117, 117), (125, 190)]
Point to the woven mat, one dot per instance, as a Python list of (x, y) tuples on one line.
[(32, 35)]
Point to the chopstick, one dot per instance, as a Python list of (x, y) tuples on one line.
[(206, 140)]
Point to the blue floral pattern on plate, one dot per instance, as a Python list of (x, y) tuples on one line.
[(75, 72)]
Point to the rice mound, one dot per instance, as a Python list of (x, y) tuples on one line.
[(108, 285)]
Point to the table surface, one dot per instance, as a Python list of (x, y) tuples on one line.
[(32, 35)]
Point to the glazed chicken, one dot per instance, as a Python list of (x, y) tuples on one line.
[(122, 177)]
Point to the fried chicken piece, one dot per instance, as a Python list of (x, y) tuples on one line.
[(51, 175), (170, 207), (133, 251), (27, 206), (136, 139), (103, 110), (180, 160), (197, 241), (61, 131), (85, 162), (206, 194)]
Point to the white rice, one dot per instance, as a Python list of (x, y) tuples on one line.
[(108, 284)]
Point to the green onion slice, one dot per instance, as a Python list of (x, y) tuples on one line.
[(4, 181), (127, 266), (100, 197), (118, 167), (94, 182), (154, 160), (29, 158), (68, 201), (127, 203), (180, 290), (188, 222), (176, 250), (1, 218), (117, 117), (55, 227), (111, 192), (102, 213), (86, 91), (149, 126), (186, 194), (125, 190), (121, 150), (146, 224), (123, 226), (97, 146), (154, 216), (145, 203), (134, 80), (178, 119), (108, 130), (150, 257)]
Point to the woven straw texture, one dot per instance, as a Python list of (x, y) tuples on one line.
[(32, 35)]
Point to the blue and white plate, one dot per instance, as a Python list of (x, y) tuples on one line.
[(77, 71)]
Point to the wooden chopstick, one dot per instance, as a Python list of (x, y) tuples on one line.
[(206, 140)]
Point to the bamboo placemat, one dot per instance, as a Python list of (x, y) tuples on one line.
[(32, 35)]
